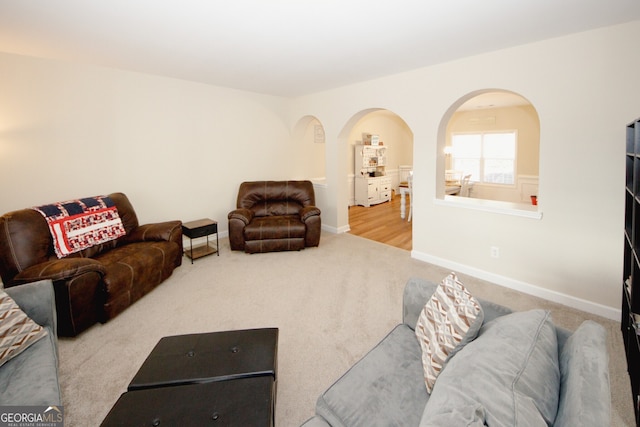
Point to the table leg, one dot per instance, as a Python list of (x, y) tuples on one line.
[(403, 204)]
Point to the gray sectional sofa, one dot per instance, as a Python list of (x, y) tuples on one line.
[(519, 371), (31, 377)]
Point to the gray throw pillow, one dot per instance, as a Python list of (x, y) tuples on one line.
[(509, 372)]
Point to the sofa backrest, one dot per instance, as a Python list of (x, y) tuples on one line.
[(125, 211), (267, 198), (25, 239), (418, 291)]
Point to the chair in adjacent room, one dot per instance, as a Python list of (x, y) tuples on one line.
[(403, 175), (410, 184), (452, 182), (465, 186), (404, 172)]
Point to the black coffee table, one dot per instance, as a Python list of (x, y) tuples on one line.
[(244, 402), (215, 356), (234, 370)]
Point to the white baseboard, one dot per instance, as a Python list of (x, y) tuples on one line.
[(527, 288), (336, 230)]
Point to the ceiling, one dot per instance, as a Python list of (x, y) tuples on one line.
[(288, 47), (489, 100)]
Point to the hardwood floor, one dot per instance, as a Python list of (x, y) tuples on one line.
[(382, 223)]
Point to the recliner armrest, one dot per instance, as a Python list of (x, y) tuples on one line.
[(244, 215), (37, 300), (309, 211), (170, 231), (59, 269)]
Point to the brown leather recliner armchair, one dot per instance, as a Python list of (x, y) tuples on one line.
[(274, 216), (97, 283)]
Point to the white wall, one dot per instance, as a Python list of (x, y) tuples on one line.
[(310, 159), (584, 88), (178, 149)]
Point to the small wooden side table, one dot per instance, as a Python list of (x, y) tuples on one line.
[(200, 228)]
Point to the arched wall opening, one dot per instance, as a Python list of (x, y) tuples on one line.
[(395, 136), (309, 138), (489, 151)]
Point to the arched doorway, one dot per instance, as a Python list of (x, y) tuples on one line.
[(381, 220)]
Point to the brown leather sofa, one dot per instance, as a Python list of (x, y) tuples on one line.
[(274, 216), (97, 283)]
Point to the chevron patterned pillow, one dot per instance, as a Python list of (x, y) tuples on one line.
[(448, 321), (17, 330)]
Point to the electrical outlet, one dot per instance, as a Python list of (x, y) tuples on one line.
[(495, 252)]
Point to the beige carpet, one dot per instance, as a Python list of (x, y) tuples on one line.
[(332, 304)]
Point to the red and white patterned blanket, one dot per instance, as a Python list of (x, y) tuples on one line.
[(79, 224)]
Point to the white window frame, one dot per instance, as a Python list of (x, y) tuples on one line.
[(482, 158)]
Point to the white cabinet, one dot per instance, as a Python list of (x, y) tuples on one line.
[(372, 190), (370, 158), (371, 184)]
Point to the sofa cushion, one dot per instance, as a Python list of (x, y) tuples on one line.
[(384, 388), (133, 270), (274, 245), (584, 353), (510, 370), (32, 377), (275, 227), (472, 415), (449, 320), (316, 421), (17, 330)]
